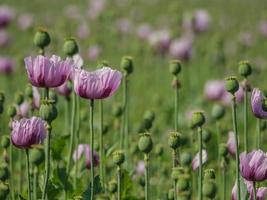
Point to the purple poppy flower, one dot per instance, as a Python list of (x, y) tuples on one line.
[(196, 160), (48, 72), (140, 168), (246, 39), (25, 21), (231, 144), (227, 97), (214, 90), (160, 40), (93, 52), (4, 38), (261, 192), (95, 8), (253, 166), (28, 132), (201, 21), (143, 31), (84, 149), (23, 109), (83, 31), (6, 65), (256, 104), (124, 26), (181, 48), (98, 84), (6, 16), (64, 89), (36, 98)]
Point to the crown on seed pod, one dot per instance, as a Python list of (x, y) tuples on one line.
[(198, 119), (118, 157), (127, 64), (231, 84), (112, 186), (41, 38), (174, 140), (244, 68), (145, 143), (175, 67), (70, 47)]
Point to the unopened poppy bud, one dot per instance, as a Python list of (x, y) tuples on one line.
[(4, 191), (223, 151), (117, 111), (112, 187), (206, 135), (11, 111), (118, 157), (244, 68), (263, 125), (171, 194), (1, 107), (231, 84), (5, 142), (149, 115), (218, 112), (19, 98), (198, 119), (102, 197), (174, 140), (29, 91), (186, 159), (264, 104), (209, 174), (209, 189), (159, 150), (4, 173), (145, 143), (48, 112), (146, 124), (183, 183), (105, 129), (37, 156), (2, 97), (127, 64), (175, 67), (41, 38), (141, 181), (70, 47)]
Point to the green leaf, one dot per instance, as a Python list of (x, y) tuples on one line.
[(58, 146), (21, 197), (126, 184)]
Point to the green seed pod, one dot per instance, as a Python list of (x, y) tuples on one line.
[(117, 111), (209, 174), (41, 38), (19, 98), (206, 135), (159, 150), (186, 159), (102, 197), (5, 142), (118, 157), (244, 68), (223, 150), (145, 143), (70, 47), (175, 67), (112, 187), (171, 194), (231, 84), (4, 191), (37, 156), (209, 189), (127, 64), (183, 183), (146, 124), (2, 97), (174, 140), (48, 112), (11, 111), (4, 173), (198, 119), (29, 91), (218, 112), (149, 115)]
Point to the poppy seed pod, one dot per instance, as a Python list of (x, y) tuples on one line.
[(209, 174), (149, 115), (183, 183), (146, 124), (37, 156), (117, 110), (218, 112), (231, 84), (159, 150), (48, 111), (198, 119), (41, 38), (174, 140), (70, 47), (11, 111), (19, 98), (4, 191), (186, 159), (112, 187), (145, 143), (244, 68), (175, 67), (5, 142), (127, 64), (4, 173), (223, 151), (118, 157), (209, 189)]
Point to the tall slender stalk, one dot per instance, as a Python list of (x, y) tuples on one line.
[(254, 190), (11, 171), (174, 152), (29, 175), (223, 183), (92, 146), (101, 142), (119, 182), (76, 138), (146, 177), (176, 99), (35, 182), (258, 145), (246, 119), (126, 120), (200, 170), (237, 144)]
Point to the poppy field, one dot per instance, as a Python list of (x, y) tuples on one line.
[(133, 100)]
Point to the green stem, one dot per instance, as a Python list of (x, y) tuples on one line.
[(223, 183), (254, 191), (92, 146), (35, 182), (146, 177), (11, 171), (237, 143), (119, 182), (101, 143), (176, 98), (200, 185), (73, 117), (246, 120), (175, 190), (126, 121), (76, 138), (259, 133), (174, 155), (29, 175)]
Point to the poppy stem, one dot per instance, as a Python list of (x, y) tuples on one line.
[(35, 181), (119, 182), (11, 171), (28, 173), (174, 155), (76, 137), (259, 133), (200, 185), (176, 99), (246, 120), (126, 118), (237, 144), (223, 182), (254, 190), (146, 158), (102, 175), (92, 146)]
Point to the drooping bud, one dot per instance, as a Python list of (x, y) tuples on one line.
[(41, 38), (19, 98), (48, 112), (145, 143), (5, 142), (4, 173), (209, 189), (11, 111), (218, 112), (37, 156), (112, 187), (231, 84), (209, 174), (206, 135), (223, 151), (127, 64), (175, 67), (183, 183), (29, 91), (244, 68), (117, 110), (70, 47), (149, 115), (186, 159), (174, 140), (118, 157), (198, 119)]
